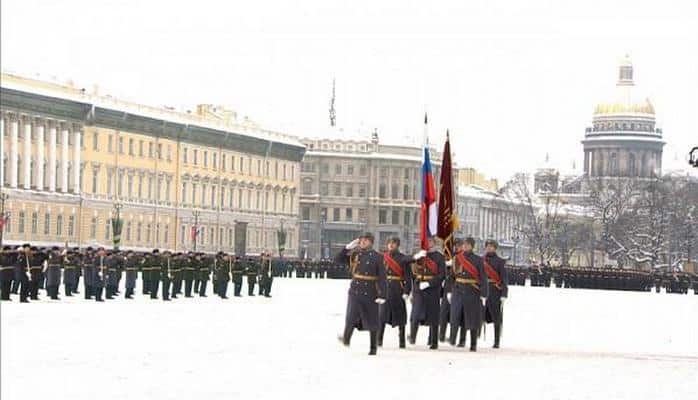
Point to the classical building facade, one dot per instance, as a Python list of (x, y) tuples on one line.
[(485, 214), (471, 176), (349, 186), (623, 141), (69, 156)]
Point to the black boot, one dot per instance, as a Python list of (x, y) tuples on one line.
[(346, 337), (473, 340), (98, 294), (461, 339), (497, 333), (452, 335), (401, 335), (372, 350), (413, 332), (434, 337), (379, 336)]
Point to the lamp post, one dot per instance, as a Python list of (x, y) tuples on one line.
[(3, 219), (323, 218), (116, 225), (195, 231)]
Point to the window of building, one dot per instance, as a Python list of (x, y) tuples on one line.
[(139, 230), (335, 214), (324, 189), (203, 194), (128, 231), (147, 233), (130, 147), (231, 196), (395, 193), (205, 159), (110, 143), (140, 148), (95, 141), (338, 169), (259, 167), (47, 223), (337, 189), (242, 165), (20, 222), (159, 155), (325, 168), (184, 155), (350, 190), (396, 217), (93, 228), (71, 225), (59, 225), (166, 234), (121, 145), (362, 190), (183, 234), (406, 192), (382, 216), (350, 214), (223, 162), (407, 218), (384, 172), (230, 237), (307, 187), (213, 196), (150, 149), (167, 191), (35, 223), (363, 171), (305, 213), (169, 152), (382, 191), (407, 173)]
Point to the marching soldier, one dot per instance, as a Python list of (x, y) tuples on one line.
[(177, 274), (23, 272), (204, 273), (53, 265), (7, 271), (99, 273), (445, 307), (367, 288), (37, 272), (469, 293), (428, 275), (266, 275), (154, 265), (398, 289), (223, 265), (130, 262), (88, 273), (251, 272), (238, 270), (498, 288), (71, 271)]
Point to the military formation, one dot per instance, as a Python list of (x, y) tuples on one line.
[(26, 269), (464, 292)]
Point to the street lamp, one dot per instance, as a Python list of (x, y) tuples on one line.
[(3, 217), (116, 225), (195, 229)]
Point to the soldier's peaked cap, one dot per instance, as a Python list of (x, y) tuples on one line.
[(366, 235)]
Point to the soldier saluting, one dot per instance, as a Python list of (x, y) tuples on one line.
[(470, 289), (498, 288), (398, 289), (367, 288)]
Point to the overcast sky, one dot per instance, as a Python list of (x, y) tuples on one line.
[(512, 80)]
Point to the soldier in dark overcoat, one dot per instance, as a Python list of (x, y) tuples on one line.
[(367, 288), (498, 288), (469, 294), (99, 273), (189, 269), (237, 271), (131, 262), (398, 288), (251, 270), (7, 271), (54, 263), (428, 272)]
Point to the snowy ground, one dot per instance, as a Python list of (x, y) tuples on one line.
[(557, 344)]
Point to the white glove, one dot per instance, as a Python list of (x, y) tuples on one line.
[(420, 254), (423, 285), (502, 300), (448, 297), (449, 263), (352, 244), (380, 301), (483, 299), (405, 297)]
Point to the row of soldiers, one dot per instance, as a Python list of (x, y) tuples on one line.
[(604, 278), (464, 292), (26, 269)]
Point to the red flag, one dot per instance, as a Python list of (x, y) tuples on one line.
[(448, 219)]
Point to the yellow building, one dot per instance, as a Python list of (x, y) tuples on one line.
[(470, 176), (69, 156)]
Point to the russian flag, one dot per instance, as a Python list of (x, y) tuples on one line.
[(428, 212)]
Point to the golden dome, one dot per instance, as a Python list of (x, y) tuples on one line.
[(621, 107)]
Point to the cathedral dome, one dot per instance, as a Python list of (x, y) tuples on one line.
[(626, 99)]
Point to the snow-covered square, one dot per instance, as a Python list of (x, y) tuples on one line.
[(557, 344)]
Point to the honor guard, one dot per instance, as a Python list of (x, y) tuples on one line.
[(237, 271), (71, 271), (166, 266), (23, 272), (266, 275), (188, 274), (428, 271), (251, 271), (153, 264), (54, 263), (498, 288), (37, 272), (398, 288), (470, 290), (222, 274), (99, 273), (88, 273), (204, 273), (367, 288), (131, 262), (177, 274), (112, 282), (7, 271)]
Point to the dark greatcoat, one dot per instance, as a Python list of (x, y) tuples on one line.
[(394, 311), (493, 309), (466, 305), (53, 269), (362, 309), (131, 267), (425, 303)]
